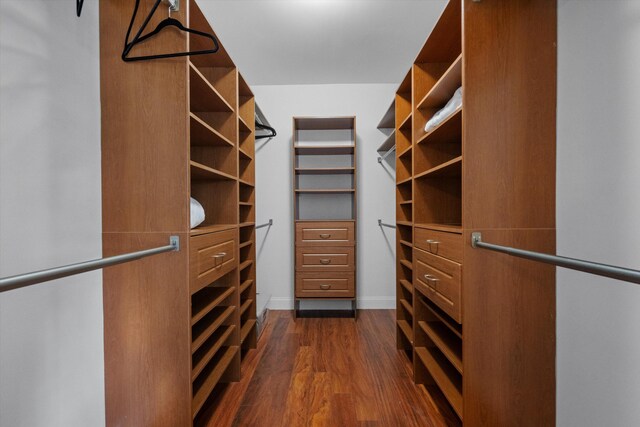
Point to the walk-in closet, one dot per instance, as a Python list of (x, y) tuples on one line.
[(336, 213)]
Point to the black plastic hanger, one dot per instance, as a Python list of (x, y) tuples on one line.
[(79, 4), (168, 22), (265, 127)]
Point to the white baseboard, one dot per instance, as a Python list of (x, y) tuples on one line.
[(364, 303)]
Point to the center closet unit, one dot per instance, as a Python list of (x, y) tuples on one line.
[(176, 326), (475, 152)]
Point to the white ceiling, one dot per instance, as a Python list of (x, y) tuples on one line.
[(322, 41)]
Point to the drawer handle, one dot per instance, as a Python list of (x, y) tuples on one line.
[(325, 287), (430, 278), (325, 261), (220, 255), (432, 242), (325, 236)]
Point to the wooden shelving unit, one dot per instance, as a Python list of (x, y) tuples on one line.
[(469, 173), (324, 177), (176, 325)]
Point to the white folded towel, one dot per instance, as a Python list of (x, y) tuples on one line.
[(454, 103), (197, 213)]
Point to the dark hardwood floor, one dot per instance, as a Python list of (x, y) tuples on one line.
[(333, 372)]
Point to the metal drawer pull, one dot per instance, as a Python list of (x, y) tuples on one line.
[(325, 287), (325, 236), (325, 261), (432, 242), (430, 278), (220, 255)]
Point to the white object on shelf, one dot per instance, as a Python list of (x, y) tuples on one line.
[(197, 213), (452, 105)]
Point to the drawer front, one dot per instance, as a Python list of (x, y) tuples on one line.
[(211, 256), (325, 285), (325, 233), (325, 258), (440, 280), (446, 245)]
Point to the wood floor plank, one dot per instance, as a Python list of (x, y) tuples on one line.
[(333, 372)]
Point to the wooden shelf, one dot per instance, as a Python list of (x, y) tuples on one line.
[(406, 264), (204, 355), (202, 330), (245, 285), (245, 305), (204, 97), (404, 223), (245, 265), (246, 329), (245, 244), (324, 123), (406, 123), (408, 202), (244, 126), (449, 169), (246, 224), (200, 172), (449, 228), (215, 297), (447, 378), (326, 190), (211, 229), (203, 387), (204, 135), (407, 306), (248, 204), (405, 181), (388, 143), (444, 88), (446, 321), (407, 244), (407, 285), (406, 330), (406, 151), (247, 183), (450, 346), (389, 119), (324, 171), (244, 154), (324, 149), (448, 131)]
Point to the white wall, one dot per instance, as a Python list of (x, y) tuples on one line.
[(51, 347), (376, 188), (598, 211)]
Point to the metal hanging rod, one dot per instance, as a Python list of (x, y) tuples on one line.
[(620, 273), (382, 224), (28, 279), (266, 224), (385, 155)]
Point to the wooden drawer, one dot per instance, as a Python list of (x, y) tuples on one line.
[(440, 280), (446, 245), (325, 285), (211, 256), (331, 233), (325, 258)]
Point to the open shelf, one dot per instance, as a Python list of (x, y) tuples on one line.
[(202, 330), (204, 135), (246, 224), (245, 305), (388, 143), (324, 171), (245, 285), (404, 223), (324, 150), (408, 286), (204, 355), (246, 329), (407, 244), (447, 378), (446, 321), (407, 306), (245, 264), (246, 183), (406, 264), (204, 97), (447, 131), (449, 228), (244, 154), (444, 88), (407, 202), (405, 181), (406, 123), (406, 330), (245, 244), (210, 376), (405, 151), (441, 336), (211, 229), (200, 172), (208, 298), (448, 169), (326, 190), (244, 126)]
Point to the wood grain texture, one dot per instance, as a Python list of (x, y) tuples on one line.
[(328, 372), (146, 330), (509, 76)]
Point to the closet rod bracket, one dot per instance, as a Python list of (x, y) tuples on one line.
[(175, 242), (174, 5)]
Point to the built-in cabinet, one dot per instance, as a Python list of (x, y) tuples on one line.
[(324, 177), (176, 326), (479, 327)]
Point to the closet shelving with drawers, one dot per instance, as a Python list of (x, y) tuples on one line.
[(177, 326), (470, 320), (324, 177)]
